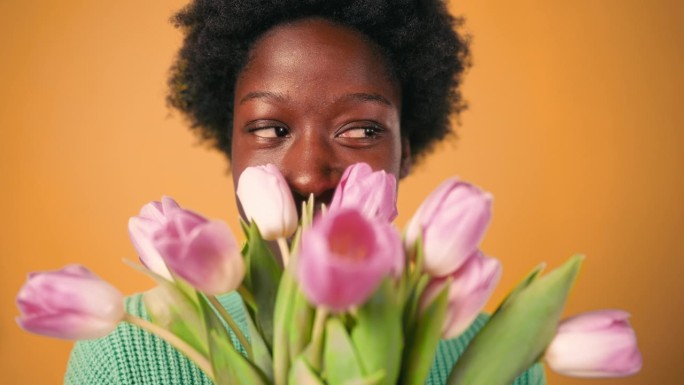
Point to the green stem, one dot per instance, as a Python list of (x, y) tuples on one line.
[(247, 296), (233, 326), (174, 341), (282, 322), (316, 346), (284, 251)]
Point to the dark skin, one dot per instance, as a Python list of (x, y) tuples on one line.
[(314, 98)]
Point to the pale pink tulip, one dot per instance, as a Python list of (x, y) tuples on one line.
[(471, 286), (595, 344), (71, 303), (344, 257), (152, 217), (452, 222), (267, 200), (374, 193), (202, 252)]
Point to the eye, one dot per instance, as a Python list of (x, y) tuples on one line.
[(270, 132), (370, 131)]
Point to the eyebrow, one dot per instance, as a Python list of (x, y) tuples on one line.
[(365, 97), (278, 97)]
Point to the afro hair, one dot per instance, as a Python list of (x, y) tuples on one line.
[(418, 38)]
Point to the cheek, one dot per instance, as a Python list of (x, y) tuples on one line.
[(239, 160), (244, 155), (386, 156)]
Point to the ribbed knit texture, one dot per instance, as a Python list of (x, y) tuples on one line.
[(131, 356)]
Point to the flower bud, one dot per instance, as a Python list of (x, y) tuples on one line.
[(595, 344), (202, 252), (152, 217), (71, 303), (471, 286), (344, 257), (374, 193), (267, 200), (452, 221)]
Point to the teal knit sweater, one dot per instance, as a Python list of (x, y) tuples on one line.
[(131, 356)]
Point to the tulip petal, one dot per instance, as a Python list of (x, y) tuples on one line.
[(169, 205), (70, 303), (596, 320), (342, 262), (472, 286), (452, 222), (66, 326), (208, 257), (374, 193), (595, 344), (153, 211), (140, 230), (267, 200)]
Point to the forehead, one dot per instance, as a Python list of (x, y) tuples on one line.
[(316, 52)]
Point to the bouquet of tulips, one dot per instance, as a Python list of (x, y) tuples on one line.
[(335, 295)]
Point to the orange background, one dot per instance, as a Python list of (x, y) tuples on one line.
[(576, 125)]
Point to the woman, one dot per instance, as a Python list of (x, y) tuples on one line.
[(312, 87)]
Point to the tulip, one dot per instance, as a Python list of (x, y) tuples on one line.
[(374, 193), (267, 200), (202, 252), (71, 303), (152, 217), (452, 222), (344, 257), (595, 344), (471, 286)]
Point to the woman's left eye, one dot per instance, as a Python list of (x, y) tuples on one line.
[(361, 132)]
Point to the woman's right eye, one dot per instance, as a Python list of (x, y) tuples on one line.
[(271, 132)]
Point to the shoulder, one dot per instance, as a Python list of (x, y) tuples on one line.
[(130, 355), (450, 350)]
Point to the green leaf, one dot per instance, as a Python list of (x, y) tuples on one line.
[(229, 365), (244, 226), (174, 306), (531, 277), (417, 253), (287, 308), (341, 361), (262, 355), (294, 248), (423, 340), (517, 335), (282, 316), (413, 303), (377, 335), (263, 278), (302, 374), (374, 379), (307, 212), (171, 309), (301, 319)]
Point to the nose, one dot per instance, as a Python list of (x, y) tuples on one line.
[(311, 167)]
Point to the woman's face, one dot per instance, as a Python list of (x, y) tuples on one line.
[(314, 98)]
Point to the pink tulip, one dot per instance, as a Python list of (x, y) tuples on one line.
[(595, 344), (71, 303), (374, 193), (267, 200), (200, 251), (152, 217), (452, 221), (344, 257), (472, 285)]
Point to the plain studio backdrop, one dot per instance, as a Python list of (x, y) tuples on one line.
[(576, 125)]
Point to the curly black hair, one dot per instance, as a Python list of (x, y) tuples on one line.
[(419, 39)]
